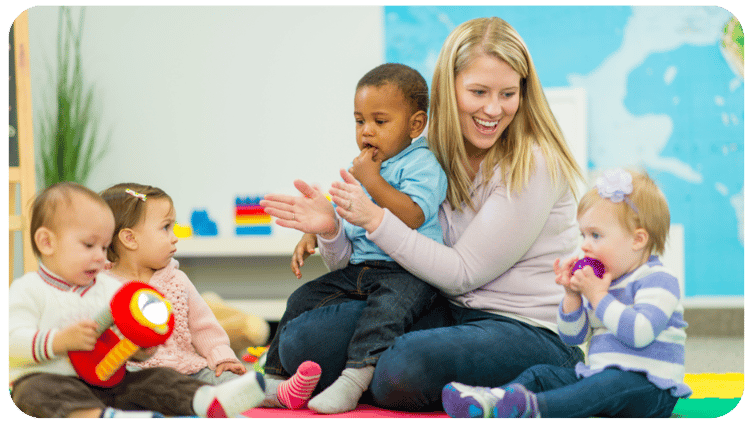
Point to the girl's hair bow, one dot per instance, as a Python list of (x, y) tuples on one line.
[(136, 194)]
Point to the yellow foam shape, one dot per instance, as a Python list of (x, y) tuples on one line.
[(182, 231), (253, 219), (715, 385)]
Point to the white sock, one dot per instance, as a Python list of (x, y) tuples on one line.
[(110, 412), (343, 395), (231, 398), (271, 383)]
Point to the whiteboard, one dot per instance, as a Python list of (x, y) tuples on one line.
[(214, 103)]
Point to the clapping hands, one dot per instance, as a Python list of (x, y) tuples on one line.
[(310, 212), (353, 204)]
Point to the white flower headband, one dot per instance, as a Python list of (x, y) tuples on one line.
[(136, 194), (615, 185)]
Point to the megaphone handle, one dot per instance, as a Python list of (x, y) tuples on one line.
[(114, 359), (104, 320)]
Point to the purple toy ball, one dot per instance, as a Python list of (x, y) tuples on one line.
[(597, 266)]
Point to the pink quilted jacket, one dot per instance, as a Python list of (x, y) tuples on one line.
[(198, 340)]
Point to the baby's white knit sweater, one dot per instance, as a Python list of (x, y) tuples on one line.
[(40, 305)]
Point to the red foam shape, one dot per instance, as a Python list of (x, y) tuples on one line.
[(249, 210)]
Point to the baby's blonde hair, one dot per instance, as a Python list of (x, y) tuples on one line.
[(652, 210), (127, 208), (50, 202)]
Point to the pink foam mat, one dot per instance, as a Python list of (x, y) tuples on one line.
[(362, 411)]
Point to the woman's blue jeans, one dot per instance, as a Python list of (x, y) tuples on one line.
[(394, 300), (610, 393), (450, 343)]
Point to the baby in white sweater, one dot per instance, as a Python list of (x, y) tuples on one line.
[(51, 313)]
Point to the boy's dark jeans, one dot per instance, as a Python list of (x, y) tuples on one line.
[(395, 299)]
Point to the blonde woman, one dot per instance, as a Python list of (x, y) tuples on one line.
[(509, 213)]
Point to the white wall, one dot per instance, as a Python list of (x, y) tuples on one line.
[(214, 102)]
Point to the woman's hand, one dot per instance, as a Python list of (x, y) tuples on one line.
[(310, 213), (305, 248), (354, 205)]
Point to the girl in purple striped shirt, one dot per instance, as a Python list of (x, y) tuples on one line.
[(632, 319)]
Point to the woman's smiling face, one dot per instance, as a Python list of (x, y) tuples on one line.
[(488, 94)]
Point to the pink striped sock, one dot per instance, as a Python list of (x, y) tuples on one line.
[(296, 391)]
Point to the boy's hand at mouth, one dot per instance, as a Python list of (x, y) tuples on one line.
[(366, 165), (370, 148)]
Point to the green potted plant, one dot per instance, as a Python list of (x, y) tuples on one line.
[(69, 133)]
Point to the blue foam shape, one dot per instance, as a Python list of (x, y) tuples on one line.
[(254, 230), (202, 225), (248, 201)]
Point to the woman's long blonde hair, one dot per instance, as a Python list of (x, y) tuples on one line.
[(533, 124)]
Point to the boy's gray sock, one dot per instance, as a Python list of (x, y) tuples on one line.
[(271, 383), (343, 395)]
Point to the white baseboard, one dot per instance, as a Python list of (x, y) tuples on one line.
[(713, 302), (269, 309)]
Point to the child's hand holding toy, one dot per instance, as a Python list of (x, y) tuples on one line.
[(563, 274), (590, 279), (80, 336), (144, 318)]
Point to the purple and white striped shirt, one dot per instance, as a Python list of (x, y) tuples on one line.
[(637, 326)]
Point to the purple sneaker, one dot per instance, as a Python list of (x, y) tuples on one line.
[(517, 401), (461, 400)]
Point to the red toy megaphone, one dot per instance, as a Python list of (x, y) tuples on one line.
[(143, 316)]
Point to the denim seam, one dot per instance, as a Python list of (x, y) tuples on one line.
[(573, 359), (366, 362), (358, 281), (328, 298)]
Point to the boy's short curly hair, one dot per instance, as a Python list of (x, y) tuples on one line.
[(410, 82)]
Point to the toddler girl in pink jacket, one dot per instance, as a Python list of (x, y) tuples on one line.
[(142, 249)]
